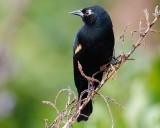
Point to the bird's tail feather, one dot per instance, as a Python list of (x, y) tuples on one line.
[(85, 113)]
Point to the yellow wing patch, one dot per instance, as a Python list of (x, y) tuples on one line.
[(78, 48)]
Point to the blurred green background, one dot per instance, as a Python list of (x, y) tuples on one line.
[(36, 39)]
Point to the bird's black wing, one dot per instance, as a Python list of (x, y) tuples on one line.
[(78, 52), (80, 82)]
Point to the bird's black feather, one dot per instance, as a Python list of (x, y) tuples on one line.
[(93, 47)]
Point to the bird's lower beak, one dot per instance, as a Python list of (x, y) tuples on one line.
[(77, 12)]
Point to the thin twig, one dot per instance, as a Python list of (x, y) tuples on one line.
[(46, 123), (109, 109), (90, 79)]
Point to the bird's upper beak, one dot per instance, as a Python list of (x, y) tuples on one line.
[(78, 13)]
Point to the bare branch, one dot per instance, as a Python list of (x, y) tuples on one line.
[(74, 105)]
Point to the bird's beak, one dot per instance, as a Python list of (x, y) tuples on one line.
[(78, 13)]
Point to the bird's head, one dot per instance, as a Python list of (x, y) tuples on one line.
[(93, 14)]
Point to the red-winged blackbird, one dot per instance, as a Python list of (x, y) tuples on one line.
[(93, 47)]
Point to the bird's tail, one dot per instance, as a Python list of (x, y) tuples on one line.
[(85, 113)]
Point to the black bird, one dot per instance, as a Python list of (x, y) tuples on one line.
[(93, 47)]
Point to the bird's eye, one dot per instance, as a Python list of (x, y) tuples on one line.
[(88, 12)]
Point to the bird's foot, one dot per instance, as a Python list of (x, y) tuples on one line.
[(114, 60)]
